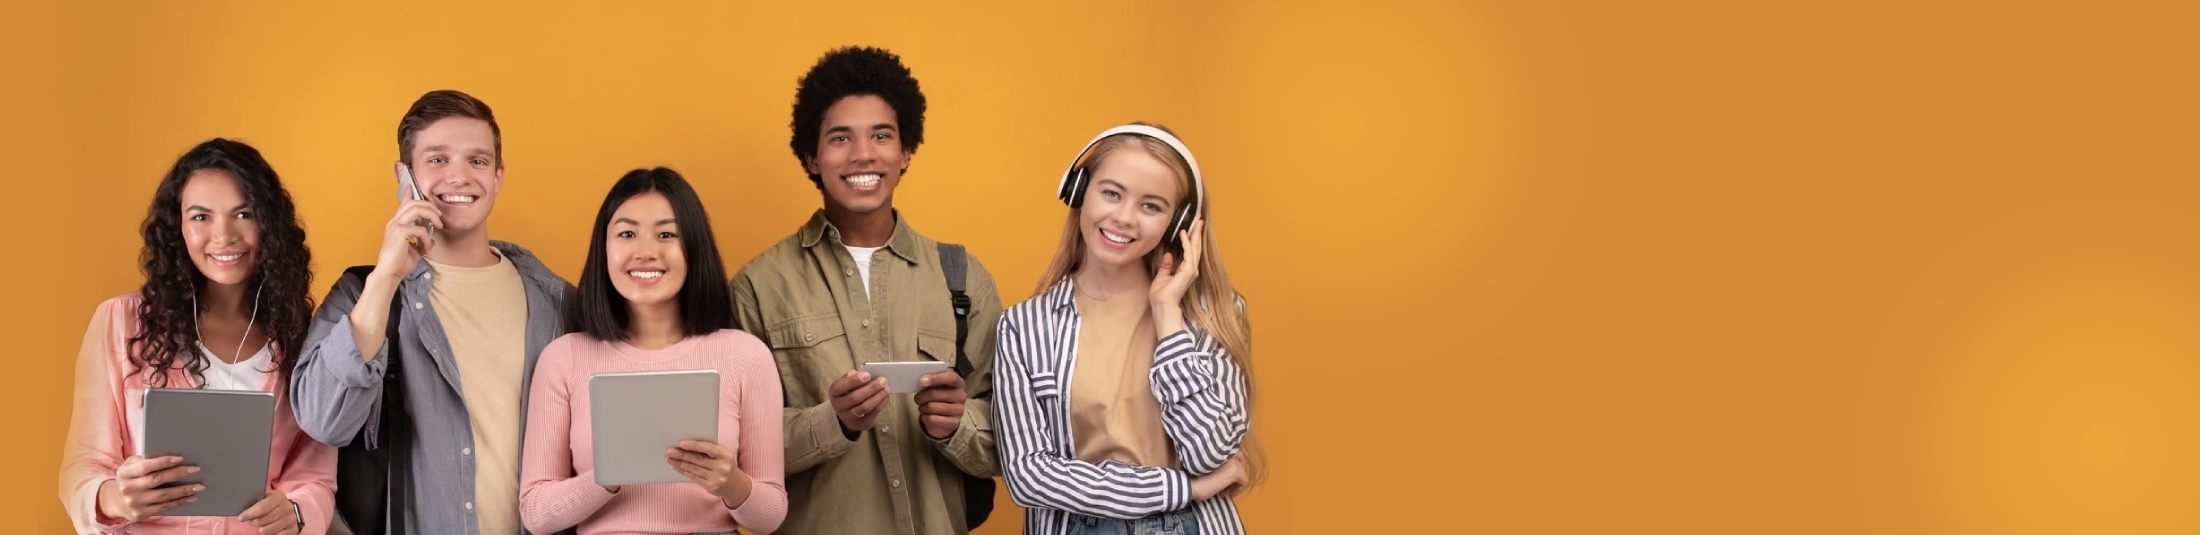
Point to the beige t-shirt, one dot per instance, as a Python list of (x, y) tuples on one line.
[(484, 314), (1113, 414)]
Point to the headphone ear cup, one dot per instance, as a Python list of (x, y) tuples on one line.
[(1073, 188), (1183, 222)]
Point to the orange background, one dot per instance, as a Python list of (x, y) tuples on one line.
[(1531, 267)]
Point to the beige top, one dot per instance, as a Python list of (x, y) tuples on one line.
[(1112, 410), (484, 314)]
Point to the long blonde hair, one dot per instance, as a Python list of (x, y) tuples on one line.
[(1212, 305)]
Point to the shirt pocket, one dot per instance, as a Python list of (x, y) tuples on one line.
[(806, 332), (810, 351), (937, 346)]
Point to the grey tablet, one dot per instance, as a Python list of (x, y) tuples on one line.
[(226, 433), (636, 416)]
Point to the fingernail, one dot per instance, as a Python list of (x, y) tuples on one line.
[(865, 376), (191, 470), (197, 488)]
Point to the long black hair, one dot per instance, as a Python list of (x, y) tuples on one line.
[(168, 315), (706, 305)]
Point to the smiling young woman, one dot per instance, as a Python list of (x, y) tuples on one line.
[(224, 306)]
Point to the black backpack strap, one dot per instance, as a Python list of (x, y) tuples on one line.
[(390, 334), (956, 265), (386, 456)]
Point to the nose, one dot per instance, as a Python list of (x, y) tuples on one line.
[(865, 152), (224, 233), (1123, 213)]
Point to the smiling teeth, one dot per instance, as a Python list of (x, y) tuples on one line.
[(646, 274), (1113, 237), (225, 257), (863, 180), (458, 198)]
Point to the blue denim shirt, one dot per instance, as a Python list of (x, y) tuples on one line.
[(335, 393)]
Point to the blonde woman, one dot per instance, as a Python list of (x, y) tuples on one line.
[(1122, 401)]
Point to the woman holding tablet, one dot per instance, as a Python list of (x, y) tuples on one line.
[(224, 305), (1122, 402), (653, 297)]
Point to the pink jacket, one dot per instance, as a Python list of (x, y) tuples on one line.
[(100, 438)]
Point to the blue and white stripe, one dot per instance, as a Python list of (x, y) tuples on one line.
[(1202, 394)]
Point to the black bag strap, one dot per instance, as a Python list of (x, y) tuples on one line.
[(392, 425), (955, 264), (390, 381)]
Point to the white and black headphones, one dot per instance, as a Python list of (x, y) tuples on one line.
[(1072, 190)]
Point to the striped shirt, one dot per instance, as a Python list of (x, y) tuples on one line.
[(1203, 402)]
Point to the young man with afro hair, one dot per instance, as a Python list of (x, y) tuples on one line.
[(858, 284)]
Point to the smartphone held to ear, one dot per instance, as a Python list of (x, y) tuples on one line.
[(407, 190), (904, 377)]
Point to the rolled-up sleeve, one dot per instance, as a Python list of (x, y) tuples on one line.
[(333, 391)]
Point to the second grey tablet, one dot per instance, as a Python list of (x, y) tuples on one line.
[(634, 417), (226, 433)]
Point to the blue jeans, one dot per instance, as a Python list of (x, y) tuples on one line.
[(1183, 522)]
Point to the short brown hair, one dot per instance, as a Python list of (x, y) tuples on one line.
[(440, 104)]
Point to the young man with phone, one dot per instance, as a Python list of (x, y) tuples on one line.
[(857, 284), (472, 316)]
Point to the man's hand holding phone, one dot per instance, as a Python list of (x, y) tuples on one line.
[(411, 233)]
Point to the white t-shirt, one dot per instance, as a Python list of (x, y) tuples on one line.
[(245, 375), (863, 263)]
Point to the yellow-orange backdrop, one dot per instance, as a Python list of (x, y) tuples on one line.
[(1531, 267)]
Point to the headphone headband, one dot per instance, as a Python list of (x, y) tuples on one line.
[(1071, 177)]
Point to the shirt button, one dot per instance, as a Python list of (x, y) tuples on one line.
[(866, 322), (809, 336), (427, 276), (897, 483), (848, 271), (416, 306), (886, 429), (469, 506), (466, 451)]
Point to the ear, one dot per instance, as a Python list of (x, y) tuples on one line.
[(809, 165), (496, 183), (907, 157)]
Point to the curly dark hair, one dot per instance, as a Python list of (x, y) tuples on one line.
[(168, 315), (855, 71)]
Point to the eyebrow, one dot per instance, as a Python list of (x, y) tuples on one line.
[(431, 149), (1119, 185), (195, 207), (846, 128), (631, 221)]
